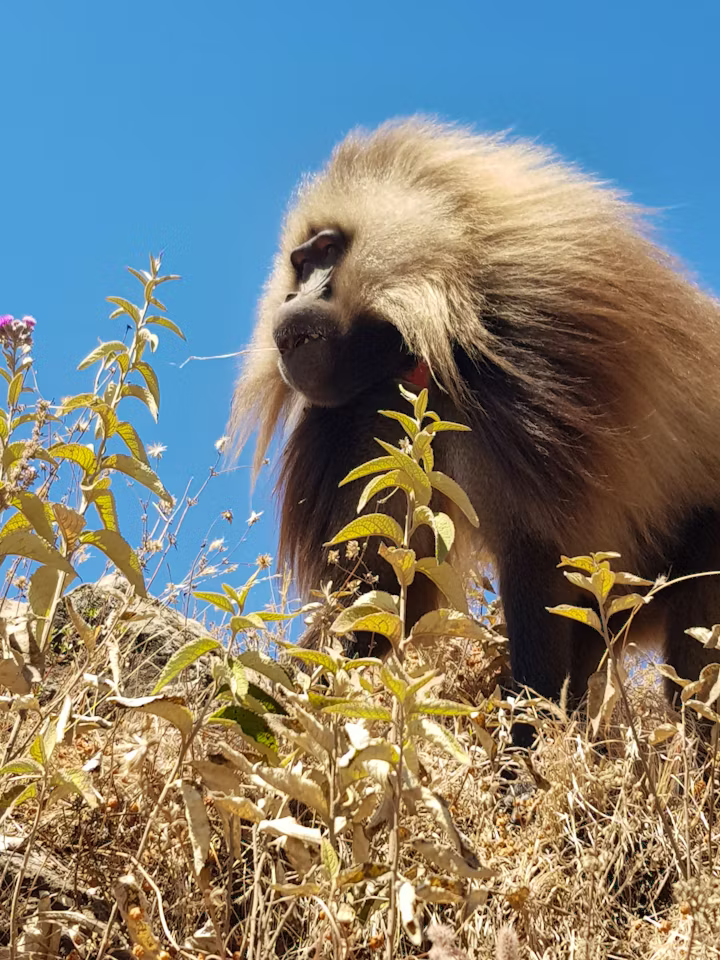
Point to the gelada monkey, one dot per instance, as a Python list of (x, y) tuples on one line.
[(531, 301)]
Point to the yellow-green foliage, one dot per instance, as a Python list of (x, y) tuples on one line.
[(170, 786)]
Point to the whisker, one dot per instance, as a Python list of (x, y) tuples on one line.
[(224, 356)]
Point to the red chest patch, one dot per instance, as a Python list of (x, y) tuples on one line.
[(419, 376)]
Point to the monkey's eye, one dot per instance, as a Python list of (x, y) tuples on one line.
[(328, 253)]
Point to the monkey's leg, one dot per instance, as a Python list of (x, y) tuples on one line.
[(544, 647), (696, 602)]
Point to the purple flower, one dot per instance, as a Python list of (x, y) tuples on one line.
[(29, 322), (6, 320)]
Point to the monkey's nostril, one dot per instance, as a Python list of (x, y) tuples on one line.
[(284, 341)]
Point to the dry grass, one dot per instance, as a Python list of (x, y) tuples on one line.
[(576, 858)]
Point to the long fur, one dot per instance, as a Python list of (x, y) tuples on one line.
[(584, 358)]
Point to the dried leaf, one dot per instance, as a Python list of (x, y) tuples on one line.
[(198, 825)]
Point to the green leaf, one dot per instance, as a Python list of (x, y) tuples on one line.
[(150, 378), (104, 503), (111, 348), (120, 552), (402, 561), (125, 307), (359, 709), (16, 795), (232, 592), (24, 543), (142, 394), (43, 584), (76, 781), (25, 418), (183, 658), (582, 563), (14, 451), (379, 598), (21, 768), (98, 406), (238, 679), (416, 474), (395, 684), (263, 700), (168, 708), (446, 623), (371, 466), (37, 751), (370, 524), (446, 579), (445, 708), (16, 522), (408, 424), (249, 622), (453, 491), (441, 737), (13, 394), (129, 435), (394, 478), (441, 525), (245, 589), (579, 580), (603, 580), (627, 602), (138, 471), (142, 275), (439, 425), (582, 614), (444, 535), (147, 336), (420, 405), (78, 453), (254, 660), (330, 859), (317, 657), (31, 506), (218, 600), (251, 724), (168, 324), (370, 618), (422, 450)]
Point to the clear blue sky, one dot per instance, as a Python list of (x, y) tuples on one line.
[(130, 127)]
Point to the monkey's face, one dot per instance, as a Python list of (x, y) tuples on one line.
[(321, 355)]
